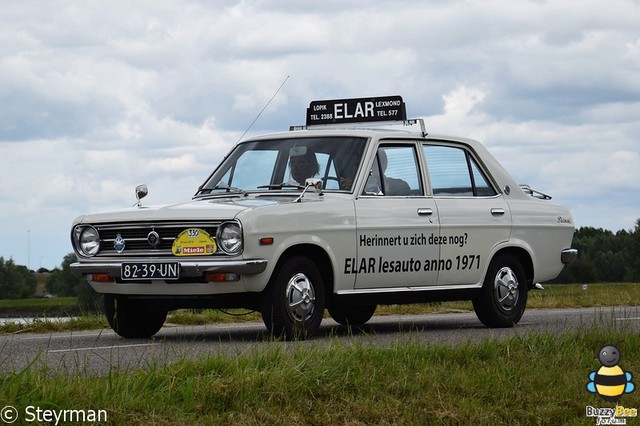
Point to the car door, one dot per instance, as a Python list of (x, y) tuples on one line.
[(474, 216), (395, 223)]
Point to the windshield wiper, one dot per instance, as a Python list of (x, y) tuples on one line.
[(224, 186), (281, 185)]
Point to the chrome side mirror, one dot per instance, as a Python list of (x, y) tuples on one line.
[(313, 183), (141, 192)]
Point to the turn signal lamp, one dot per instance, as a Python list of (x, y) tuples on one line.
[(217, 277), (101, 278)]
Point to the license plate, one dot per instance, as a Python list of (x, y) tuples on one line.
[(150, 271)]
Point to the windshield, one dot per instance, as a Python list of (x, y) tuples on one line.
[(286, 163)]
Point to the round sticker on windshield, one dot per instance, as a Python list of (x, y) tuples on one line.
[(194, 242)]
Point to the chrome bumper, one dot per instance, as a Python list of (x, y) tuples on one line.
[(568, 255), (188, 268)]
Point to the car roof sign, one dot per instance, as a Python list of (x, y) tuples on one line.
[(356, 110)]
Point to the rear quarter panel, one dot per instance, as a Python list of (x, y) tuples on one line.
[(543, 229)]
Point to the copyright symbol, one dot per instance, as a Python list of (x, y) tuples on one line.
[(9, 414)]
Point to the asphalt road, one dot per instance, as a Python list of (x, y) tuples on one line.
[(98, 352)]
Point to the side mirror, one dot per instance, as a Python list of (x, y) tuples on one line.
[(313, 183), (141, 192)]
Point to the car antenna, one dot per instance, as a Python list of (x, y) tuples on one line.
[(265, 107)]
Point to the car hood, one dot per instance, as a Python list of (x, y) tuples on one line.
[(218, 208)]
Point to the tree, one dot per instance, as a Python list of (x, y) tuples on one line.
[(604, 256), (633, 254), (62, 282), (16, 281)]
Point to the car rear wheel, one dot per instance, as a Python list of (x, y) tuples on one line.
[(133, 318), (352, 315), (293, 304), (503, 298)]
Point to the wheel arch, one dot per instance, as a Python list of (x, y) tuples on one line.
[(316, 254), (523, 257)]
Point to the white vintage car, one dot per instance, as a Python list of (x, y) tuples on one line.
[(330, 215)]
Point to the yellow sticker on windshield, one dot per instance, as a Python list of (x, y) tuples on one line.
[(194, 242)]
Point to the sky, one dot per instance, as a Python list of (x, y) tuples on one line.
[(98, 97)]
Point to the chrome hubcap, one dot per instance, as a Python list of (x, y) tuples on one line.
[(301, 298), (506, 290)]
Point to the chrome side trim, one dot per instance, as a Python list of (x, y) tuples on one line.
[(410, 289)]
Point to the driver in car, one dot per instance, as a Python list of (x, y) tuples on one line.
[(303, 164)]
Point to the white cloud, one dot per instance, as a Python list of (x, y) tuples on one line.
[(461, 101), (97, 98)]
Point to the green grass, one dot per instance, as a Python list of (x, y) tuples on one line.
[(212, 316), (595, 295), (535, 379), (41, 303), (44, 325)]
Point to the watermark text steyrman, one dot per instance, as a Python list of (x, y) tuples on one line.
[(37, 414)]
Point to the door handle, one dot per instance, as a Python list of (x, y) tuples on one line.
[(425, 212), (497, 211)]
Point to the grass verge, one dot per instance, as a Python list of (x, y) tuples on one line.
[(44, 325), (535, 379), (40, 303)]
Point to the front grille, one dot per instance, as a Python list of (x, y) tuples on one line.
[(135, 236)]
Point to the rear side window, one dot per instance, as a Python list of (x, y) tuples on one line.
[(454, 172)]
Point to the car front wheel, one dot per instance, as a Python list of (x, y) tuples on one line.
[(293, 304), (503, 298), (133, 318)]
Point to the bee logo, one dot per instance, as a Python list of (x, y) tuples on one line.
[(610, 382)]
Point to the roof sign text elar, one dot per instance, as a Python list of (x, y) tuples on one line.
[(357, 110)]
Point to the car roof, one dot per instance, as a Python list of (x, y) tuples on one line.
[(363, 133)]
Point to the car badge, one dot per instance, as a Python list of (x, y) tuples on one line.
[(153, 239), (119, 243)]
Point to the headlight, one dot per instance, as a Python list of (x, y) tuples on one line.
[(230, 238), (87, 240)]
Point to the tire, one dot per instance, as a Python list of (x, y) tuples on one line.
[(133, 319), (292, 306), (503, 297), (354, 315)]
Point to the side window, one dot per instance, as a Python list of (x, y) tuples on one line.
[(394, 173), (453, 172)]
